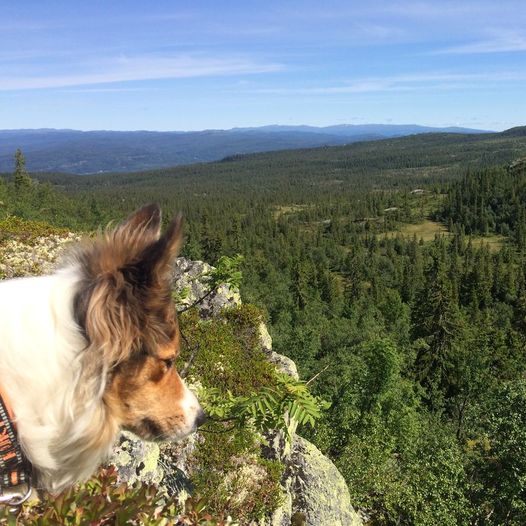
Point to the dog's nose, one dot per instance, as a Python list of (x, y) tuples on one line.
[(201, 418)]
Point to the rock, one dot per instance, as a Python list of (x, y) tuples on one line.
[(190, 281), (312, 487), (282, 363), (137, 460), (318, 489), (178, 465)]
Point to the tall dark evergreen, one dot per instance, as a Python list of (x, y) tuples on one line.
[(20, 176)]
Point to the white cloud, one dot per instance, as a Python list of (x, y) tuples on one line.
[(104, 90), (406, 82), (137, 68), (500, 44)]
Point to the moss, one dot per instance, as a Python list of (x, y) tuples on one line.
[(12, 227), (232, 476), (229, 355)]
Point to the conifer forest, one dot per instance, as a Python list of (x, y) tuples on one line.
[(393, 273)]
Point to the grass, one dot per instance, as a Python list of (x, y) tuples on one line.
[(427, 231), (495, 242), (280, 210)]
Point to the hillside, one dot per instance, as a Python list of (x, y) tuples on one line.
[(394, 274), (304, 175), (50, 150)]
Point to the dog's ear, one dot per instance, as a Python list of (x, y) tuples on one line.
[(108, 307), (140, 229), (158, 259)]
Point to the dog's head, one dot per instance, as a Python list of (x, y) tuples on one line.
[(125, 309)]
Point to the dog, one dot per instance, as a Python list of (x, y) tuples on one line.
[(90, 350)]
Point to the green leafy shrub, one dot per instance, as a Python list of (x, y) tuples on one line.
[(271, 408), (497, 456), (226, 271)]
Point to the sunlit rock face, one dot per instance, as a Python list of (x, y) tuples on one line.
[(318, 489)]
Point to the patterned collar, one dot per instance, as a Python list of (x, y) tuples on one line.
[(15, 469)]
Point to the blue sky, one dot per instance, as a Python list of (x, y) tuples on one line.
[(189, 65)]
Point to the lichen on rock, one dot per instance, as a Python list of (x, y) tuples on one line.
[(137, 460), (21, 258), (318, 488), (189, 280)]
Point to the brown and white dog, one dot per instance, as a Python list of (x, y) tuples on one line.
[(90, 350)]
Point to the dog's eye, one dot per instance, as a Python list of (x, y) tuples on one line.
[(169, 362)]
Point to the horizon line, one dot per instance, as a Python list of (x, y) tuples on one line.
[(236, 128)]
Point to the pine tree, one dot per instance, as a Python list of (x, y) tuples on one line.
[(21, 177), (438, 322)]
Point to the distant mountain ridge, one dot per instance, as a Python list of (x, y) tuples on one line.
[(353, 130), (83, 152)]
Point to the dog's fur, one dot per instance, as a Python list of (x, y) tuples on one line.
[(90, 350)]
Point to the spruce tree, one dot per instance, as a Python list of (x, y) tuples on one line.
[(21, 177), (438, 322)]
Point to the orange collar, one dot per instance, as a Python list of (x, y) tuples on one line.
[(8, 406), (14, 467)]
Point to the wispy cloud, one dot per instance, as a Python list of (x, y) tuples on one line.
[(105, 90), (407, 82), (443, 9), (125, 68), (500, 44)]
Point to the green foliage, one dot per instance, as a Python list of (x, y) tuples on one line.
[(226, 271), (401, 463), (272, 408), (21, 177), (179, 296), (497, 457), (414, 477)]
